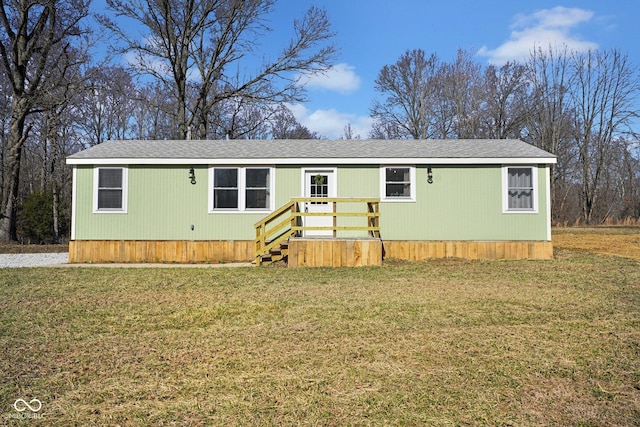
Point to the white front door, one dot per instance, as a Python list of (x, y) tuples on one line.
[(319, 183)]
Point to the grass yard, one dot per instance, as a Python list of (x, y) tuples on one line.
[(441, 343), (618, 241)]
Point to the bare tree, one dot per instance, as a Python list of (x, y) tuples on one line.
[(385, 130), (55, 129), (550, 115), (153, 112), (37, 56), (285, 126), (628, 184), (107, 105), (443, 108), (549, 119), (42, 211), (241, 118), (603, 95), (349, 132), (462, 87), (407, 88), (617, 193), (201, 44), (505, 104), (5, 118)]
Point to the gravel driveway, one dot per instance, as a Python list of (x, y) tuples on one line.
[(62, 259), (33, 260)]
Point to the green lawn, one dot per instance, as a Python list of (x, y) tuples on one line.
[(447, 343)]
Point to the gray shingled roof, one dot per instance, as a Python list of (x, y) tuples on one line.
[(266, 150)]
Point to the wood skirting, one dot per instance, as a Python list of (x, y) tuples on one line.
[(302, 252), (160, 251), (419, 250), (334, 252)]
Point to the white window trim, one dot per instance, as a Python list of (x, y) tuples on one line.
[(412, 185), (547, 180), (242, 178), (125, 190), (505, 190), (74, 201)]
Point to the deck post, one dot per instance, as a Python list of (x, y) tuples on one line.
[(335, 220), (260, 242), (294, 218)]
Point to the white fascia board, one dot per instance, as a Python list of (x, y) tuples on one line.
[(74, 201), (319, 161)]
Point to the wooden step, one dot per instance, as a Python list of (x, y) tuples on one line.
[(275, 254)]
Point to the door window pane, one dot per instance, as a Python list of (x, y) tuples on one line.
[(319, 187)]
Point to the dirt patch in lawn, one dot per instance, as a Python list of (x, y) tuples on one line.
[(17, 248), (617, 241)]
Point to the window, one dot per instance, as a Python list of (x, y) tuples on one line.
[(225, 188), (241, 189), (519, 187), (110, 189), (257, 189), (398, 183)]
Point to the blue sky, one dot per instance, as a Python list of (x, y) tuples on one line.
[(373, 33)]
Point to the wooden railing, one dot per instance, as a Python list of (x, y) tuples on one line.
[(286, 222)]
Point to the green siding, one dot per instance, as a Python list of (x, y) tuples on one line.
[(359, 181), (288, 184), (162, 205), (356, 182), (463, 203)]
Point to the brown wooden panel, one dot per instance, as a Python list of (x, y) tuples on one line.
[(375, 252), (417, 250), (338, 249), (303, 252), (328, 247), (334, 252), (132, 251)]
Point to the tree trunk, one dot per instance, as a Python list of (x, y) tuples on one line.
[(15, 141), (56, 203)]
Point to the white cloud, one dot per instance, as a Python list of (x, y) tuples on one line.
[(547, 27), (330, 123), (339, 78), (139, 61)]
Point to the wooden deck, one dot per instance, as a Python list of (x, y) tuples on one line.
[(273, 232)]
